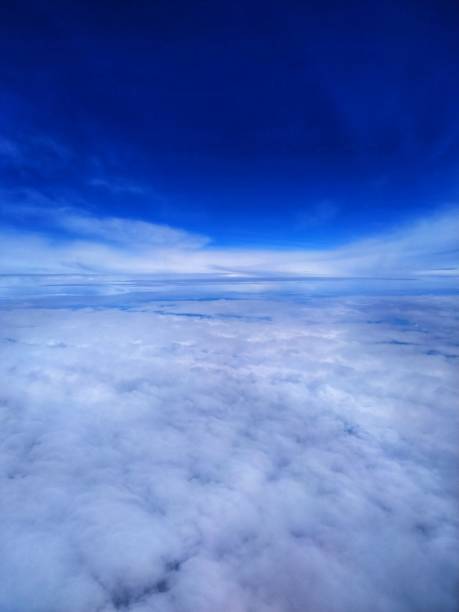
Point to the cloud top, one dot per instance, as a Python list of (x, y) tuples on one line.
[(230, 455)]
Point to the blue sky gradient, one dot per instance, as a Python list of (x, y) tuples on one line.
[(256, 124), (229, 296)]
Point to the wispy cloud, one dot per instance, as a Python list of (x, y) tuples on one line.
[(117, 186), (67, 239), (39, 152), (318, 214)]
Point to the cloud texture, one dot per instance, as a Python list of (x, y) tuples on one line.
[(37, 237), (245, 456)]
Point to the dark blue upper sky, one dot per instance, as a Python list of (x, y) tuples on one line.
[(264, 123)]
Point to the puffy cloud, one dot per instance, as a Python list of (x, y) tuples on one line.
[(233, 455)]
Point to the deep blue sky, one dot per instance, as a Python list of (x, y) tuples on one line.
[(257, 123)]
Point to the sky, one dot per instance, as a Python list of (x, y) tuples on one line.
[(229, 296), (238, 137)]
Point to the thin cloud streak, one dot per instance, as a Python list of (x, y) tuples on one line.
[(70, 241)]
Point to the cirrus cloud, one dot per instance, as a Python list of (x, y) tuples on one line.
[(39, 238)]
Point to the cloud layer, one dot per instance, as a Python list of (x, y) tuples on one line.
[(246, 456), (68, 240)]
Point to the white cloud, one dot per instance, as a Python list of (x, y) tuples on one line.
[(118, 186), (230, 455), (131, 233), (65, 239), (40, 152)]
